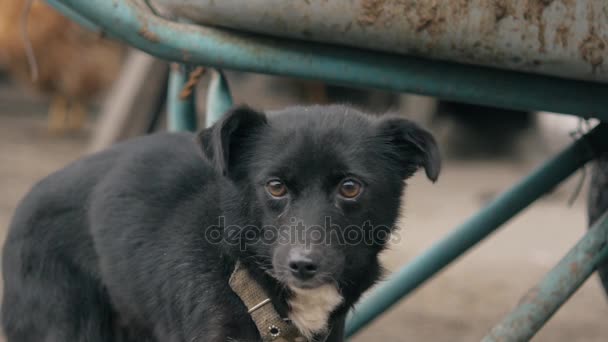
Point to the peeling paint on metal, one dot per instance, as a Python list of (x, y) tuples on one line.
[(371, 10), (593, 46), (500, 9), (149, 35), (593, 50), (427, 16), (533, 13), (542, 36), (561, 36)]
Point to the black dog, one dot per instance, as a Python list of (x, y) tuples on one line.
[(137, 243)]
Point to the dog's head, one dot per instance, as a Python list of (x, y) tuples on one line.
[(315, 191)]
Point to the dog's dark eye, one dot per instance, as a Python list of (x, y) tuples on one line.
[(276, 188), (350, 188)]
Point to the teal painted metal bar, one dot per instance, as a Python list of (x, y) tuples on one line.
[(476, 228), (543, 300), (72, 15), (219, 99), (219, 48), (133, 23), (181, 112), (602, 258)]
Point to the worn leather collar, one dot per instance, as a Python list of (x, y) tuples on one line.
[(271, 326)]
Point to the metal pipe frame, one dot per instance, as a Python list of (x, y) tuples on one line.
[(134, 23), (219, 99), (486, 221), (543, 300), (181, 112), (74, 16), (191, 44)]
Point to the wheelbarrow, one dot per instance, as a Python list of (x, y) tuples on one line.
[(517, 54)]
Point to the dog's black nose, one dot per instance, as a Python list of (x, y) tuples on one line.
[(302, 267)]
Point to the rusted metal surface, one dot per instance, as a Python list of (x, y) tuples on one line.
[(231, 49), (543, 300), (148, 35), (567, 38)]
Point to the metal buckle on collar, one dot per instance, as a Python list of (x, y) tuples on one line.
[(258, 305), (271, 326)]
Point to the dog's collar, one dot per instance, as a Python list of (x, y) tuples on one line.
[(271, 326)]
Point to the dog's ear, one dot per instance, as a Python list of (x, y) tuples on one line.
[(223, 142), (411, 146)]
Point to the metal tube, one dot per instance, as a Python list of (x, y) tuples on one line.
[(505, 34), (601, 258), (219, 99), (181, 112), (476, 228), (226, 49), (72, 15), (543, 300)]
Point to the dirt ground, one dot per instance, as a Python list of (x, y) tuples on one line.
[(463, 302)]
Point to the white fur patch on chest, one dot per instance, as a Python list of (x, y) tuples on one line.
[(310, 308)]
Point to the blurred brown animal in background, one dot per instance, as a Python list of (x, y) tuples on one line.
[(74, 65)]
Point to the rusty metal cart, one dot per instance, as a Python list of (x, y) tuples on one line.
[(549, 55)]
